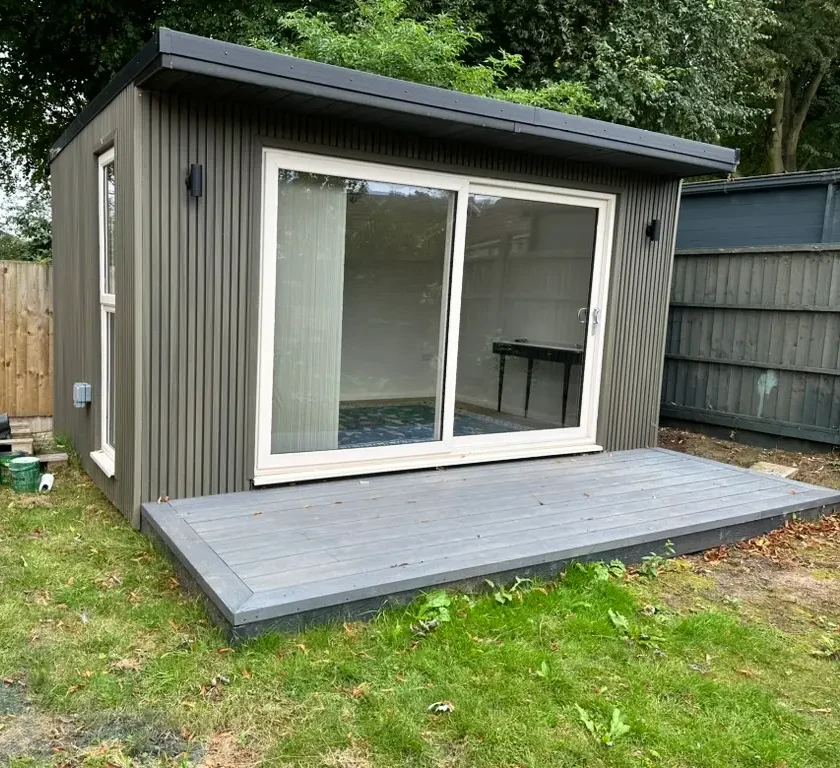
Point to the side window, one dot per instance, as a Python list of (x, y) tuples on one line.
[(107, 311)]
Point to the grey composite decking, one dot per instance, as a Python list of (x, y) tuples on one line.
[(284, 556)]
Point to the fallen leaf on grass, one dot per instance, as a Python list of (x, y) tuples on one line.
[(109, 581), (225, 650), (245, 673), (360, 691), (746, 672)]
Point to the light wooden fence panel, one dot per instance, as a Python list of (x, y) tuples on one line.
[(26, 358)]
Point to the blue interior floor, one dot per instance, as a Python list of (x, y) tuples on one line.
[(392, 423)]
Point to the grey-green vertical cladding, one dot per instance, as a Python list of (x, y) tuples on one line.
[(201, 267), (74, 181)]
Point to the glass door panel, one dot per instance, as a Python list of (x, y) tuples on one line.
[(525, 307), (359, 314)]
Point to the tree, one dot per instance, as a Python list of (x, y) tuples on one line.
[(692, 68), (378, 37), (805, 44), (25, 231), (56, 55)]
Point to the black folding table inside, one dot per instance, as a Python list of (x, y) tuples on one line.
[(550, 353)]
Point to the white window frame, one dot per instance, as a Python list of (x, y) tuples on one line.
[(450, 449), (105, 456)]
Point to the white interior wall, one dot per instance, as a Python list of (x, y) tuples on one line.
[(528, 281), (393, 277)]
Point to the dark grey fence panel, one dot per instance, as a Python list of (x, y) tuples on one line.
[(754, 340)]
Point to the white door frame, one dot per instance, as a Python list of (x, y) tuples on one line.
[(275, 468)]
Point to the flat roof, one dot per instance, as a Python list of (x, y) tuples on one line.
[(175, 61), (767, 181)]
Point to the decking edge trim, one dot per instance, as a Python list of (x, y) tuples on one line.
[(218, 582)]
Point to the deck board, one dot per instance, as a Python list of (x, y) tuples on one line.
[(282, 556)]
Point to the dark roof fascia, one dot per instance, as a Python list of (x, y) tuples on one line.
[(770, 181), (170, 50), (125, 77)]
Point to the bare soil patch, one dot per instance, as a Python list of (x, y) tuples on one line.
[(817, 468)]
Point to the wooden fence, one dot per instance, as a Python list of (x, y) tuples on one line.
[(754, 340), (26, 361)]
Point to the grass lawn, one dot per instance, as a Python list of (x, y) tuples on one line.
[(728, 659)]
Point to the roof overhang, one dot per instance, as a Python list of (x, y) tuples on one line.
[(174, 61)]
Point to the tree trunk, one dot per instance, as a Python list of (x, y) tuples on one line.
[(775, 139), (797, 120), (786, 120)]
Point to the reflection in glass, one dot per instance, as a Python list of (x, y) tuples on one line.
[(358, 312), (109, 201)]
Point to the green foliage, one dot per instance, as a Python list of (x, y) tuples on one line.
[(434, 607), (604, 733), (504, 595), (601, 571), (25, 229), (653, 563), (379, 37), (619, 621), (704, 69), (693, 68)]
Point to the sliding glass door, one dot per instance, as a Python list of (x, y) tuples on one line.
[(412, 319), (525, 304)]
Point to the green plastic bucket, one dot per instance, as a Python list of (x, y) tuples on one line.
[(26, 474), (5, 458)]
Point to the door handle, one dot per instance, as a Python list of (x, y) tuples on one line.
[(596, 316), (582, 315)]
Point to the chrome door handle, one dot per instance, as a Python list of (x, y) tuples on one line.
[(582, 312)]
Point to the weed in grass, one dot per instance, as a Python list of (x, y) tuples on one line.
[(601, 571), (504, 595), (432, 611), (653, 563), (607, 734)]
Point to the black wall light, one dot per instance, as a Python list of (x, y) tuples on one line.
[(195, 180), (653, 230)]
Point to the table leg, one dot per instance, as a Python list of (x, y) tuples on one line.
[(528, 384), (567, 377), (501, 380)]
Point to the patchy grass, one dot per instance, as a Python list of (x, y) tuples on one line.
[(105, 662)]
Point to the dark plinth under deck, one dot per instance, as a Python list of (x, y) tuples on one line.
[(281, 557)]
